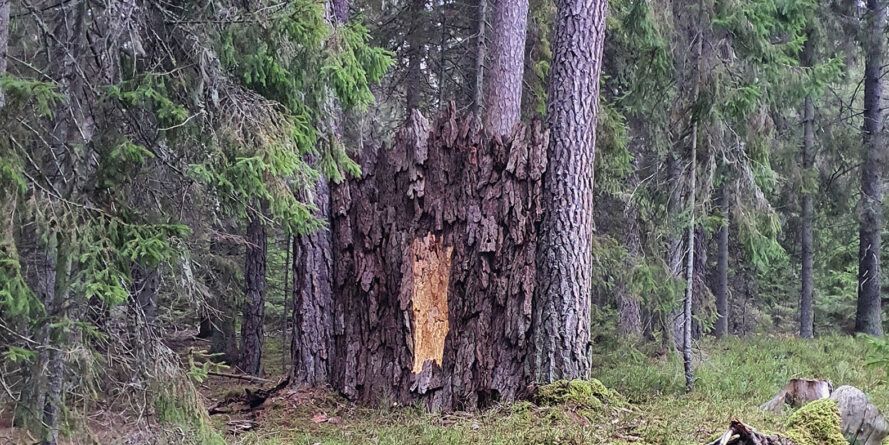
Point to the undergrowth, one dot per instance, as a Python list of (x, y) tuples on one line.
[(734, 376)]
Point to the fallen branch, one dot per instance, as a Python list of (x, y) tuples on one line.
[(739, 433), (249, 378)]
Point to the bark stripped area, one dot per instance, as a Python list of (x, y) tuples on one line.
[(430, 263), (446, 212)]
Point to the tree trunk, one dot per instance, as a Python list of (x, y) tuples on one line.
[(311, 347), (690, 266), (868, 318), (722, 306), (415, 37), (144, 288), (253, 317), (480, 57), (564, 259), (434, 270), (312, 339), (806, 301), (503, 92), (628, 305), (4, 43), (675, 250)]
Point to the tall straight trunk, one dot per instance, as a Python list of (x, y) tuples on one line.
[(628, 305), (253, 316), (690, 266), (806, 300), (503, 92), (4, 43), (480, 57), (692, 192), (311, 343), (415, 39), (722, 306), (868, 318), (672, 328), (564, 257)]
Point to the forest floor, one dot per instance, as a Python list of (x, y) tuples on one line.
[(734, 377)]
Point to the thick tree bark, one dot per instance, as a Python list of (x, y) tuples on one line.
[(503, 92), (253, 316), (720, 329), (434, 273), (868, 317), (312, 339), (311, 347), (564, 259), (806, 301)]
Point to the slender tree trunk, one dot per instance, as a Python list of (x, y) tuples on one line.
[(481, 55), (628, 305), (692, 192), (145, 285), (415, 39), (253, 317), (806, 301), (288, 303), (4, 43), (722, 306), (868, 317), (564, 257), (690, 266), (503, 92), (675, 251)]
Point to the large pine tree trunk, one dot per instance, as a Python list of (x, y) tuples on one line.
[(806, 302), (435, 267), (503, 91), (868, 316), (564, 259), (254, 292), (311, 347)]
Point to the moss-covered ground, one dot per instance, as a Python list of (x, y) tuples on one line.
[(644, 403)]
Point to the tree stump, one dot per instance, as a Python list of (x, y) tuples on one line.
[(434, 263), (862, 422)]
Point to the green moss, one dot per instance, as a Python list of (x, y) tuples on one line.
[(817, 423), (583, 394)]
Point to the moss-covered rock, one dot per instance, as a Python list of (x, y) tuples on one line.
[(817, 423), (582, 394)]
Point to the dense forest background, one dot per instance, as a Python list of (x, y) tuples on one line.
[(435, 203)]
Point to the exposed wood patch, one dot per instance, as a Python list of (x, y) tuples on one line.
[(430, 270)]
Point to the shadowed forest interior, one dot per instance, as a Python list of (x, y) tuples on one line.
[(443, 221)]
